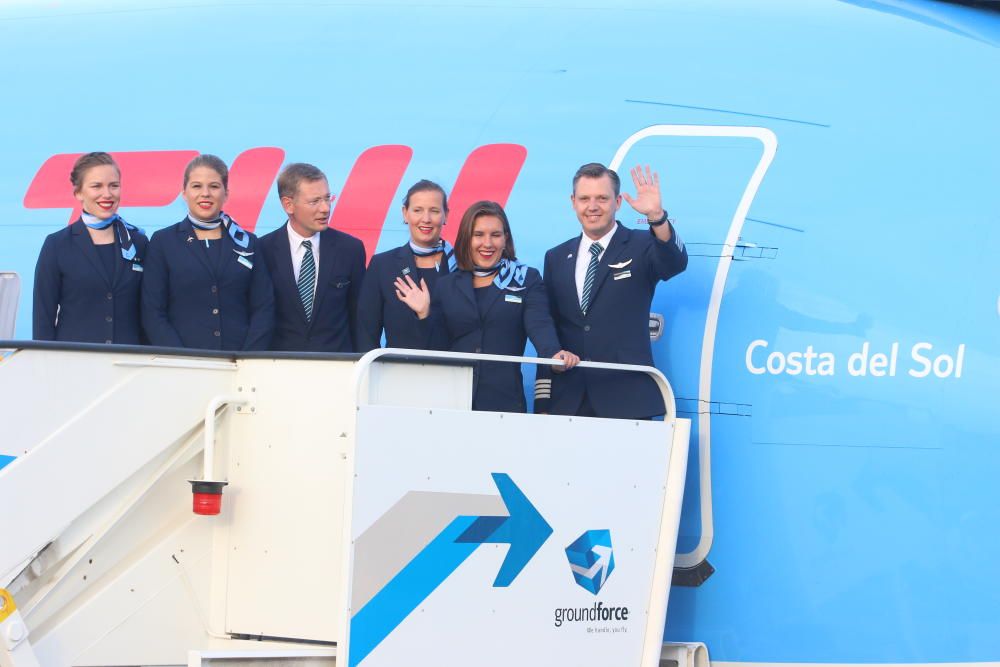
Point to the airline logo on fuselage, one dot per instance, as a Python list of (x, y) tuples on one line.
[(154, 178)]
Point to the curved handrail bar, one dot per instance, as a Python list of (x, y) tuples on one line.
[(361, 369)]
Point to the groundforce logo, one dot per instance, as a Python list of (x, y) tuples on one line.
[(592, 559), (597, 612)]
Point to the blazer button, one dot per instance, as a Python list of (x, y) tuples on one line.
[(108, 341), (108, 318), (215, 289), (110, 296), (586, 327), (478, 350), (215, 311), (216, 333)]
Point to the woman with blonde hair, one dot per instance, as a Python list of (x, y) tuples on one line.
[(205, 286)]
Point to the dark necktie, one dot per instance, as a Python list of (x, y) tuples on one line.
[(307, 279), (588, 282)]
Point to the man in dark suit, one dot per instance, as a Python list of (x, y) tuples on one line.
[(316, 269), (600, 287)]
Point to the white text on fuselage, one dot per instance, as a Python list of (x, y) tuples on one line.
[(923, 361)]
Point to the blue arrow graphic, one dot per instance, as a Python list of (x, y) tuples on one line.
[(524, 530)]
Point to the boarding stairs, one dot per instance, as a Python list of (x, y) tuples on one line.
[(369, 516)]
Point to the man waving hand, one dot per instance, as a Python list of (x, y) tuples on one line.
[(600, 287)]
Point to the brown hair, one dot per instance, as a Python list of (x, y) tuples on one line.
[(463, 243), (295, 173), (597, 170), (424, 185), (212, 162), (88, 161)]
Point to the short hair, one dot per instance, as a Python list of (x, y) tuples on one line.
[(213, 162), (463, 243), (424, 185), (292, 175), (88, 161), (597, 170)]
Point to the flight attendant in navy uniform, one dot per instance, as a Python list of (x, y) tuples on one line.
[(425, 257), (204, 285), (600, 286), (317, 270), (88, 276), (492, 305)]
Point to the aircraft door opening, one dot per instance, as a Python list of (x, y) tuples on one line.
[(709, 177)]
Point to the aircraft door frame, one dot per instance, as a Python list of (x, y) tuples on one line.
[(769, 141)]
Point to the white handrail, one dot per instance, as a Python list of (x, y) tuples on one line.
[(213, 405), (361, 369)]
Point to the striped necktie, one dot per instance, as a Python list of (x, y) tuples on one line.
[(588, 282), (307, 279)]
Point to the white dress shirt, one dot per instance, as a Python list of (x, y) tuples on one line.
[(299, 251), (583, 257)]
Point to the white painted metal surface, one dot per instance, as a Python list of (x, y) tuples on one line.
[(84, 427), (283, 510), (684, 654), (10, 292), (580, 475), (302, 656), (109, 565), (425, 385)]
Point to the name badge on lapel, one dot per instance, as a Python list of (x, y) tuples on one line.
[(511, 298), (621, 275), (137, 267), (245, 262)]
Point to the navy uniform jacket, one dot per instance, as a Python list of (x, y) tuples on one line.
[(616, 326), (379, 308), (511, 316), (188, 302), (92, 307), (341, 270)]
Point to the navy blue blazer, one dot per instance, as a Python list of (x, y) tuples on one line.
[(335, 304), (74, 297), (379, 308), (511, 317), (189, 302), (616, 326)]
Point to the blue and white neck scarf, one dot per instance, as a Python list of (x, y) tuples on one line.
[(240, 237), (442, 247), (122, 228), (125, 240), (236, 233), (205, 226), (507, 271), (94, 222)]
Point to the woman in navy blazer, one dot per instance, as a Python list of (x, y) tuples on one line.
[(204, 287), (88, 276), (425, 257), (492, 305)]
